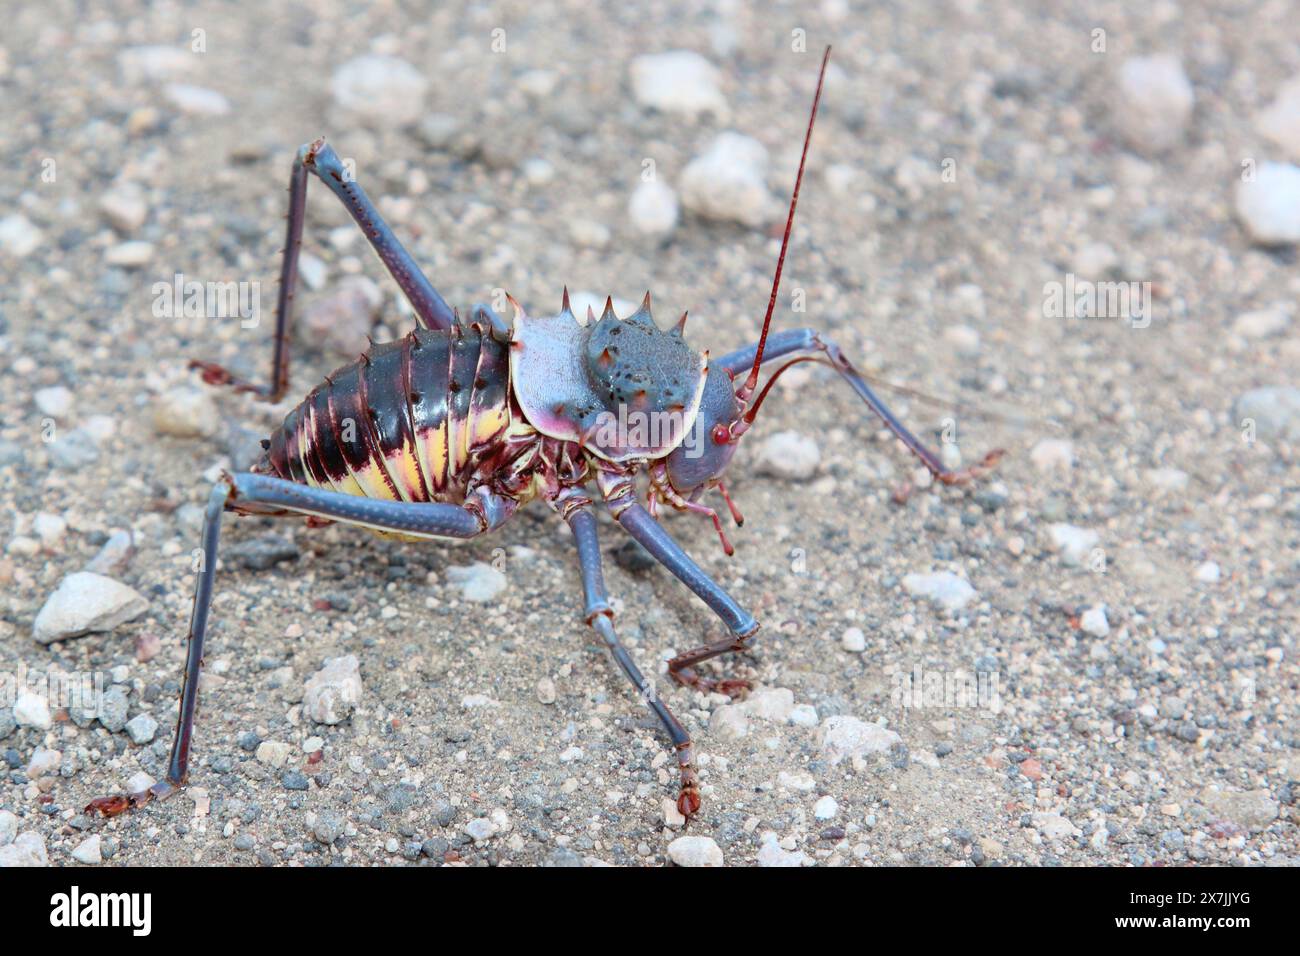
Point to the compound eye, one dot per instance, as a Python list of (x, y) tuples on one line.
[(721, 434)]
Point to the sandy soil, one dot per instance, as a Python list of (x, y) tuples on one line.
[(500, 733)]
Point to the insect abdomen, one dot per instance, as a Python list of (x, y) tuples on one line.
[(410, 420)]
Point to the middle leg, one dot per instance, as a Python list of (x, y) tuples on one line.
[(619, 492), (601, 619)]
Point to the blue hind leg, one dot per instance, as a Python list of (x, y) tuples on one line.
[(263, 494), (431, 309)]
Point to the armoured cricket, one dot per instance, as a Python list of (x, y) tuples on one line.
[(448, 431)]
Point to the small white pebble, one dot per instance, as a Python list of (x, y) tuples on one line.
[(789, 456), (55, 401), (695, 851), (653, 208), (50, 528), (130, 255), (1208, 573), (480, 829), (546, 690), (825, 808), (197, 100), (1053, 454), (89, 851), (854, 640), (804, 715), (1093, 621)]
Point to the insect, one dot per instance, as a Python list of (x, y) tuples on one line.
[(447, 431)]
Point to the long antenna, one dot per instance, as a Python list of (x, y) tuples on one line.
[(752, 382)]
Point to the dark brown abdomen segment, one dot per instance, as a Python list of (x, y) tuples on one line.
[(408, 421)]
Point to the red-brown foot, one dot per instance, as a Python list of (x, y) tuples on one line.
[(732, 687), (977, 470), (109, 806), (688, 801), (121, 802), (214, 374), (901, 494)]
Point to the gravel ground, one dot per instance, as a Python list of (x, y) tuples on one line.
[(1124, 585)]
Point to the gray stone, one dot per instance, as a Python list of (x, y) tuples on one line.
[(695, 851), (273, 753), (86, 602), (130, 255), (197, 100), (478, 582), (1261, 323), (1053, 826), (1269, 204), (438, 130), (1093, 621), (653, 208), (32, 710), (18, 236), (27, 849), (328, 828), (1252, 809), (1154, 103), (142, 728), (379, 91), (43, 761), (1275, 410), (72, 450), (155, 62), (1280, 121), (113, 709), (678, 81), (333, 692), (1053, 454), (563, 857), (728, 182), (943, 588), (124, 207), (790, 456), (854, 640), (55, 401), (186, 412), (89, 851), (1073, 543), (259, 554), (480, 829), (842, 736), (114, 556), (342, 319), (772, 854)]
